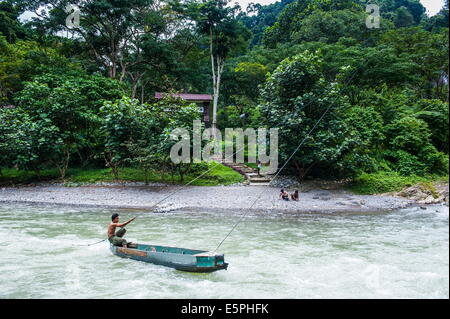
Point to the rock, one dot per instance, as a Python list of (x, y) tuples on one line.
[(431, 200), (324, 193), (425, 194), (285, 182), (415, 192), (423, 207)]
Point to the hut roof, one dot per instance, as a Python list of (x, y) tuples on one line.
[(188, 96)]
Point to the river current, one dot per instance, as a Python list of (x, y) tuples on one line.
[(399, 254)]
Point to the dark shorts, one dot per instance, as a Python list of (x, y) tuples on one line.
[(117, 239)]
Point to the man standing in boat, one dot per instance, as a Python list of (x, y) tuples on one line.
[(116, 238)]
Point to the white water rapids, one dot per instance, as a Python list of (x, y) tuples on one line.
[(400, 254)]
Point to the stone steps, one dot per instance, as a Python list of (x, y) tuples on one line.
[(256, 175), (249, 173)]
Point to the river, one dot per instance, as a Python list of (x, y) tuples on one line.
[(400, 254)]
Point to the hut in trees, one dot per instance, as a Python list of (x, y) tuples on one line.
[(202, 100)]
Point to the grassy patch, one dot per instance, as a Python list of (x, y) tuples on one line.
[(12, 176), (218, 175), (104, 175), (383, 182)]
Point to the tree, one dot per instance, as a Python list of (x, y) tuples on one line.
[(414, 8), (403, 18), (173, 113), (262, 17), (140, 134), (299, 101), (225, 35), (121, 127), (10, 27), (330, 26), (241, 93), (7, 129), (410, 148), (438, 21), (27, 143), (436, 114), (107, 27), (23, 60), (294, 14), (146, 43), (71, 104), (417, 45)]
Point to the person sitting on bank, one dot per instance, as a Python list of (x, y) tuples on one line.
[(116, 238), (284, 195), (295, 195)]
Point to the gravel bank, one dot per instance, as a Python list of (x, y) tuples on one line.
[(192, 198)]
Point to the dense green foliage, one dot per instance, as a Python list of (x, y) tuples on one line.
[(217, 175), (366, 103), (384, 182)]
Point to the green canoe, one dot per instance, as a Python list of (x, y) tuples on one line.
[(178, 258)]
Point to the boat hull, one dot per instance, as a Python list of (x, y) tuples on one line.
[(179, 258)]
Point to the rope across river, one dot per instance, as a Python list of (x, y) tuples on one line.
[(287, 161), (232, 156)]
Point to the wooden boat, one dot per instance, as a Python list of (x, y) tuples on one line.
[(178, 258)]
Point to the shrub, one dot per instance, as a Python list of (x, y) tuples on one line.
[(382, 182)]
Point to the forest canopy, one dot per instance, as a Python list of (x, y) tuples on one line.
[(83, 96)]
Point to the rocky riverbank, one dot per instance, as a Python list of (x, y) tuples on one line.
[(420, 193), (437, 193), (161, 197)]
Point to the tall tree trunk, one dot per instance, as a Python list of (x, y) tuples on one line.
[(217, 75), (142, 92), (217, 65), (135, 80), (213, 69), (63, 165), (133, 90), (215, 101)]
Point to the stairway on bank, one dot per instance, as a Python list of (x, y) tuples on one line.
[(248, 172)]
